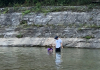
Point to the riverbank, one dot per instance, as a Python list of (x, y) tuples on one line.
[(45, 42), (78, 26)]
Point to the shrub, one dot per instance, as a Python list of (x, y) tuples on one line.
[(4, 3), (23, 22), (88, 37), (25, 12), (19, 36)]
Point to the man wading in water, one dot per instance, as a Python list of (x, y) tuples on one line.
[(58, 44)]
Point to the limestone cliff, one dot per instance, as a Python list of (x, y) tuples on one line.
[(83, 25)]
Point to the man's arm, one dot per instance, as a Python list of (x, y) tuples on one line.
[(61, 45)]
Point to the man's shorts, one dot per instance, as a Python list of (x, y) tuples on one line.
[(58, 49)]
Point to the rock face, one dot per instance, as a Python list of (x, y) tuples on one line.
[(10, 19), (77, 29), (32, 42), (65, 18)]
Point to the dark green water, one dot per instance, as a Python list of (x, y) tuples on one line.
[(32, 58)]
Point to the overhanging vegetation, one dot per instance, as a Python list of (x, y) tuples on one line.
[(5, 3)]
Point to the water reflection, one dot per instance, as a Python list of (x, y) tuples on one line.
[(58, 60), (50, 52)]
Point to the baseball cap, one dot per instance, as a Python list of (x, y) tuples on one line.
[(56, 37)]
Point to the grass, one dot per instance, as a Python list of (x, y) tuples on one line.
[(88, 26), (91, 6), (26, 12), (79, 29), (77, 9), (37, 25), (19, 36), (93, 26), (67, 8), (46, 9), (23, 22), (91, 19), (79, 26), (88, 37), (5, 11)]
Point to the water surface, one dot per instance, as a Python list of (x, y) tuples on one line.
[(32, 58)]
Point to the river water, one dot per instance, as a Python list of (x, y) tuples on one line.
[(32, 58)]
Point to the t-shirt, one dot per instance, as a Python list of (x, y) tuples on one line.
[(58, 43), (50, 49)]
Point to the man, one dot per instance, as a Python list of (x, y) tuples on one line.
[(58, 44)]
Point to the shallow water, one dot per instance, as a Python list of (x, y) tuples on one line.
[(32, 58)]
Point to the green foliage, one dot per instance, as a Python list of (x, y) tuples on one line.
[(4, 3), (16, 5), (19, 36), (25, 12), (37, 25), (38, 5), (80, 29), (5, 11), (23, 22), (37, 8), (88, 37), (90, 6), (93, 26)]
